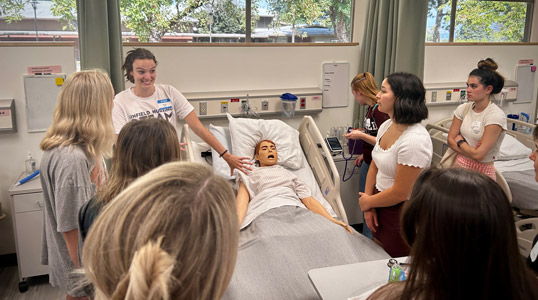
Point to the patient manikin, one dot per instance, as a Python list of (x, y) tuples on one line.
[(271, 182)]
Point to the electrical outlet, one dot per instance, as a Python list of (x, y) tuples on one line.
[(244, 106), (203, 108), (434, 96), (265, 104), (448, 95), (462, 95), (224, 107)]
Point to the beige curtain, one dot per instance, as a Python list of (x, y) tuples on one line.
[(393, 40), (100, 43)]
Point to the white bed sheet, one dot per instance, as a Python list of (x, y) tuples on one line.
[(519, 174)]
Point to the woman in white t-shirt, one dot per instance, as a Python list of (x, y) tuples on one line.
[(478, 128), (403, 149), (149, 100)]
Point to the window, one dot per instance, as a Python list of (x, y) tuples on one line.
[(479, 21), (207, 21), (229, 21)]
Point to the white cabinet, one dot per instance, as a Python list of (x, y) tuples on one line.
[(27, 214)]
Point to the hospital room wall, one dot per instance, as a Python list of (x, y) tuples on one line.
[(211, 69), (452, 63), (14, 147)]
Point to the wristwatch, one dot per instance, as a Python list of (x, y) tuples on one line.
[(461, 142)]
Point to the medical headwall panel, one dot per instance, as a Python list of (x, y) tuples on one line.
[(253, 102), (454, 93)]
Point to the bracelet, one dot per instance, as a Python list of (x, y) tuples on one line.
[(461, 142), (222, 154)]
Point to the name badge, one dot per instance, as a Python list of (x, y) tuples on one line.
[(475, 127), (164, 103)]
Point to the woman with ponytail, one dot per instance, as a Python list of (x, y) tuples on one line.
[(172, 234), (478, 127)]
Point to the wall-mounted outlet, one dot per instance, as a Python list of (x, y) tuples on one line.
[(448, 96), (224, 107), (203, 108), (434, 96), (265, 104), (244, 106), (463, 93)]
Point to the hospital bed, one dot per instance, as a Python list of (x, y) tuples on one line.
[(280, 246), (513, 163)]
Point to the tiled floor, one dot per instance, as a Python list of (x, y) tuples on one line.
[(39, 287)]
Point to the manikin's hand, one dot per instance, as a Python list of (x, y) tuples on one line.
[(359, 159), (182, 146), (370, 218), (235, 162), (355, 134), (346, 226)]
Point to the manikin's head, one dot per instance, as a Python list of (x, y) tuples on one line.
[(266, 154)]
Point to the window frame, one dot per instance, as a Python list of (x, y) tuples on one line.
[(528, 19)]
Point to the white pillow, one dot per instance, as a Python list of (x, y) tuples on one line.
[(511, 149), (247, 133), (220, 167)]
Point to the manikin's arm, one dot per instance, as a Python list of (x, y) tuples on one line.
[(243, 198), (316, 207)]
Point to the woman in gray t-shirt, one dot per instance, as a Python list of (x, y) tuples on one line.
[(72, 169)]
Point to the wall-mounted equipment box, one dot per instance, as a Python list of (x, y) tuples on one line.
[(8, 122), (253, 102), (454, 93)]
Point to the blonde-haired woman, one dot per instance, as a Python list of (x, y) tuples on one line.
[(72, 168), (172, 234), (365, 89)]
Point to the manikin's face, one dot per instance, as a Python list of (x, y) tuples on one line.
[(267, 155), (534, 158), (144, 73)]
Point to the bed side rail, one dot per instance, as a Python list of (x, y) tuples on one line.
[(437, 134), (324, 170), (523, 133), (187, 154)]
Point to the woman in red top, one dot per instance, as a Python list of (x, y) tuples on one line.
[(365, 89)]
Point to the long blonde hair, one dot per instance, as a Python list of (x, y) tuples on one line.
[(172, 234), (83, 114), (365, 84)]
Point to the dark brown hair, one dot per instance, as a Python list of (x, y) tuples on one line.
[(132, 55), (141, 146), (410, 98), (461, 230), (535, 133), (488, 75)]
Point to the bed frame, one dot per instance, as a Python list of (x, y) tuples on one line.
[(440, 127), (317, 153)]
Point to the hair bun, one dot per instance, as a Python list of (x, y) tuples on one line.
[(150, 272), (488, 64)]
